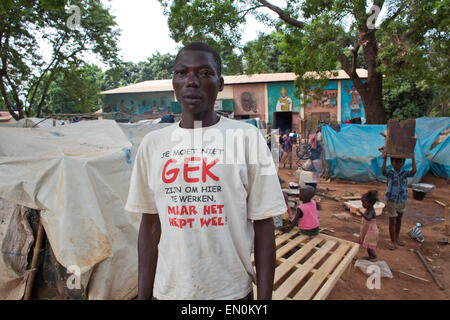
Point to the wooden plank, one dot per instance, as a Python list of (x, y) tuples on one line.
[(440, 203), (288, 246), (325, 290), (306, 292), (293, 260), (400, 140), (280, 238), (340, 240), (293, 280), (284, 237)]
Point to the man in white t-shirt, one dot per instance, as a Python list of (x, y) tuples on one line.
[(208, 190)]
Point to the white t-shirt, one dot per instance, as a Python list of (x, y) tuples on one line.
[(207, 185)]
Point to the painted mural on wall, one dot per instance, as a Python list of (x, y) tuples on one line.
[(281, 98), (249, 100), (323, 102), (138, 105), (351, 103)]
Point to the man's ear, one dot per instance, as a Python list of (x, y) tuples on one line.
[(222, 84)]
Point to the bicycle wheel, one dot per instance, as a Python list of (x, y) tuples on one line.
[(303, 151)]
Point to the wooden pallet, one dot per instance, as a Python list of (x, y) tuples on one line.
[(309, 267)]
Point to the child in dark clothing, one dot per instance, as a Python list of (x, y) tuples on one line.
[(368, 235), (306, 213)]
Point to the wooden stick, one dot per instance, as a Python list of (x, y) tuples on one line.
[(441, 203), (34, 263), (436, 280), (327, 196), (447, 216), (411, 275)]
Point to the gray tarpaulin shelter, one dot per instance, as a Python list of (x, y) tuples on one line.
[(77, 175)]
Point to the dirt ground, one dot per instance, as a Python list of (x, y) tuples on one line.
[(429, 213)]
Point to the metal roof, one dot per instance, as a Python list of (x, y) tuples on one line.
[(166, 85)]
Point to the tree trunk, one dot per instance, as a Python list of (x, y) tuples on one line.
[(373, 96), (373, 105)]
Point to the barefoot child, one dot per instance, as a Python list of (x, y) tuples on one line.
[(306, 213), (368, 234), (396, 196)]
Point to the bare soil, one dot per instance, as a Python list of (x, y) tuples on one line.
[(429, 213)]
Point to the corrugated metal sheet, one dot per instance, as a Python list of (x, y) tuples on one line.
[(166, 85)]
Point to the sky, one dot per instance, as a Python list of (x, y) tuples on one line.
[(144, 29)]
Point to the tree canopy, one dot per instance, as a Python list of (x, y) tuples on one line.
[(70, 31), (324, 35)]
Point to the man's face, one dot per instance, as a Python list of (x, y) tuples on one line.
[(196, 82)]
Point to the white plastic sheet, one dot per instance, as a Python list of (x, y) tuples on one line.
[(78, 175)]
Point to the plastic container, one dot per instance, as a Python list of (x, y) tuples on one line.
[(354, 205), (419, 194), (304, 176), (312, 184), (428, 188)]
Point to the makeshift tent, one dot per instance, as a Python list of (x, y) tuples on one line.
[(352, 153), (434, 136), (440, 159), (78, 176), (429, 129)]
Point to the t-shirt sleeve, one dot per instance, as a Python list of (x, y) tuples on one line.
[(264, 196), (141, 198)]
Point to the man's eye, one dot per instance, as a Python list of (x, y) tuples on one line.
[(179, 72), (205, 72)]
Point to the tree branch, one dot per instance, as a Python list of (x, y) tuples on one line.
[(355, 57), (395, 15), (50, 79), (36, 85), (248, 10), (351, 71), (283, 15)]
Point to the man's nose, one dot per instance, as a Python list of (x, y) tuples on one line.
[(192, 80)]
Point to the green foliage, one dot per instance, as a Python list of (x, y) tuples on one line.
[(157, 67), (323, 35), (264, 55), (75, 90), (26, 76), (407, 100)]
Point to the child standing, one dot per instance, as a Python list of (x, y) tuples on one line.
[(396, 196), (368, 234), (306, 213)]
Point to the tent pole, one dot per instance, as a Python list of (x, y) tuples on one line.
[(34, 261)]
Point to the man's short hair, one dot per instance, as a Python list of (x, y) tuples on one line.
[(200, 46)]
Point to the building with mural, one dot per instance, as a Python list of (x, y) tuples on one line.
[(269, 97)]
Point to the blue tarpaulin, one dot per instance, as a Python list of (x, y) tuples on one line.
[(428, 129), (353, 152), (440, 159)]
